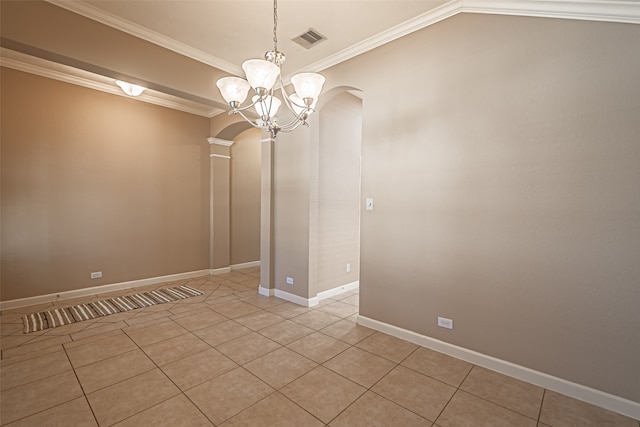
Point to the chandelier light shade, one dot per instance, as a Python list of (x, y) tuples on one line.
[(308, 85), (263, 75), (233, 89), (130, 89)]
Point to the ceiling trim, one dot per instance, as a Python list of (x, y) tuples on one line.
[(64, 73), (588, 10), (591, 10), (99, 15), (595, 10)]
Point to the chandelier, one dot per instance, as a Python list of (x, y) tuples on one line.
[(262, 76)]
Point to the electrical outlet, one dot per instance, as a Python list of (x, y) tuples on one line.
[(348, 268), (96, 274), (445, 323), (289, 280)]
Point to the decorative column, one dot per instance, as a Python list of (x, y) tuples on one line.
[(267, 248), (219, 205)]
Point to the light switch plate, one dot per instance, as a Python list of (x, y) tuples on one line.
[(369, 203)]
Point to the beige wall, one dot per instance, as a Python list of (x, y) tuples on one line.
[(291, 211), (97, 182), (245, 197), (338, 192), (503, 153)]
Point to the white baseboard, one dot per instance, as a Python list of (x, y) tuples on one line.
[(311, 302), (76, 293), (306, 302), (577, 391), (245, 265), (338, 290), (267, 292), (222, 270)]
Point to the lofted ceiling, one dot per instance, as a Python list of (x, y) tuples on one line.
[(178, 48)]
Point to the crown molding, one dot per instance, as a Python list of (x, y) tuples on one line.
[(44, 68), (594, 10), (99, 15), (627, 12)]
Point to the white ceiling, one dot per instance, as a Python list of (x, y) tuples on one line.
[(224, 33)]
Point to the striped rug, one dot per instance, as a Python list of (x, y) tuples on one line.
[(63, 316)]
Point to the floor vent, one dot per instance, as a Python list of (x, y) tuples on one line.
[(309, 38)]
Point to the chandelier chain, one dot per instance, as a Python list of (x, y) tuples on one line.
[(275, 24)]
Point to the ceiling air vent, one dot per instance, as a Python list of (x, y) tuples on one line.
[(310, 38)]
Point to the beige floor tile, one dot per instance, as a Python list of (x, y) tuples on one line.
[(323, 393), (280, 367), (315, 319), (225, 396), (274, 410), (285, 332), (177, 411), (34, 369), (289, 310), (95, 351), (387, 346), (36, 396), (68, 329), (247, 348), (150, 314), (511, 393), (262, 301), (416, 392), (201, 320), (259, 320), (465, 409), (185, 309), (352, 299), (372, 410), (98, 329), (438, 365), (222, 332), (339, 309), (235, 309), (113, 370), (10, 329), (31, 355), (360, 366), (563, 411), (198, 368), (73, 413), (35, 345), (175, 348), (347, 331), (318, 347), (124, 399), (13, 341), (155, 333), (94, 338)]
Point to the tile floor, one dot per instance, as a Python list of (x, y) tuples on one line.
[(234, 358)]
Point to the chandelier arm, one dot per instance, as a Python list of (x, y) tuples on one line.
[(295, 123), (287, 101), (251, 122)]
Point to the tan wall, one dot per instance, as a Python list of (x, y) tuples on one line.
[(338, 218), (503, 153), (291, 211), (220, 206), (51, 32), (245, 197), (97, 182)]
